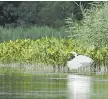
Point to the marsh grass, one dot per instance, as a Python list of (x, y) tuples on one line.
[(33, 33), (48, 54), (30, 70)]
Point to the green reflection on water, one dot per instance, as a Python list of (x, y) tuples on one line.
[(46, 86), (32, 87)]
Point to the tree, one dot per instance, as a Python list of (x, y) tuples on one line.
[(54, 13), (8, 12), (28, 13), (51, 13)]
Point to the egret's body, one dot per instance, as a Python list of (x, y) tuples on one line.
[(79, 61)]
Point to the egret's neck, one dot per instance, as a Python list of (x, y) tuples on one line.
[(75, 54)]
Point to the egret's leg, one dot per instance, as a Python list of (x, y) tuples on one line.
[(94, 65), (68, 70), (54, 68), (93, 68)]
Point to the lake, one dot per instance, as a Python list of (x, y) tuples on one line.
[(52, 86)]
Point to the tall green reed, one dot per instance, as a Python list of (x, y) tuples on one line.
[(34, 32)]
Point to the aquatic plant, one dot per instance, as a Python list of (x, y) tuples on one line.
[(49, 51)]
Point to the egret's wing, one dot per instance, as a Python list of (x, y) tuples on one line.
[(84, 59), (79, 61), (84, 64), (73, 64)]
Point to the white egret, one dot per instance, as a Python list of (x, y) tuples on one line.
[(79, 61)]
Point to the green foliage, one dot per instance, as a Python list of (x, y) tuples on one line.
[(93, 28), (44, 50), (49, 51)]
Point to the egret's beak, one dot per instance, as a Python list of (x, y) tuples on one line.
[(86, 54)]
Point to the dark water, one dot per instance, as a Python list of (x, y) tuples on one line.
[(52, 86)]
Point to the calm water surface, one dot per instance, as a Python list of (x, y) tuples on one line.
[(52, 86)]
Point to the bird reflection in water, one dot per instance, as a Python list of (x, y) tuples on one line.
[(79, 87)]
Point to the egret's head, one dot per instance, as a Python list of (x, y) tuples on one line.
[(74, 53)]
